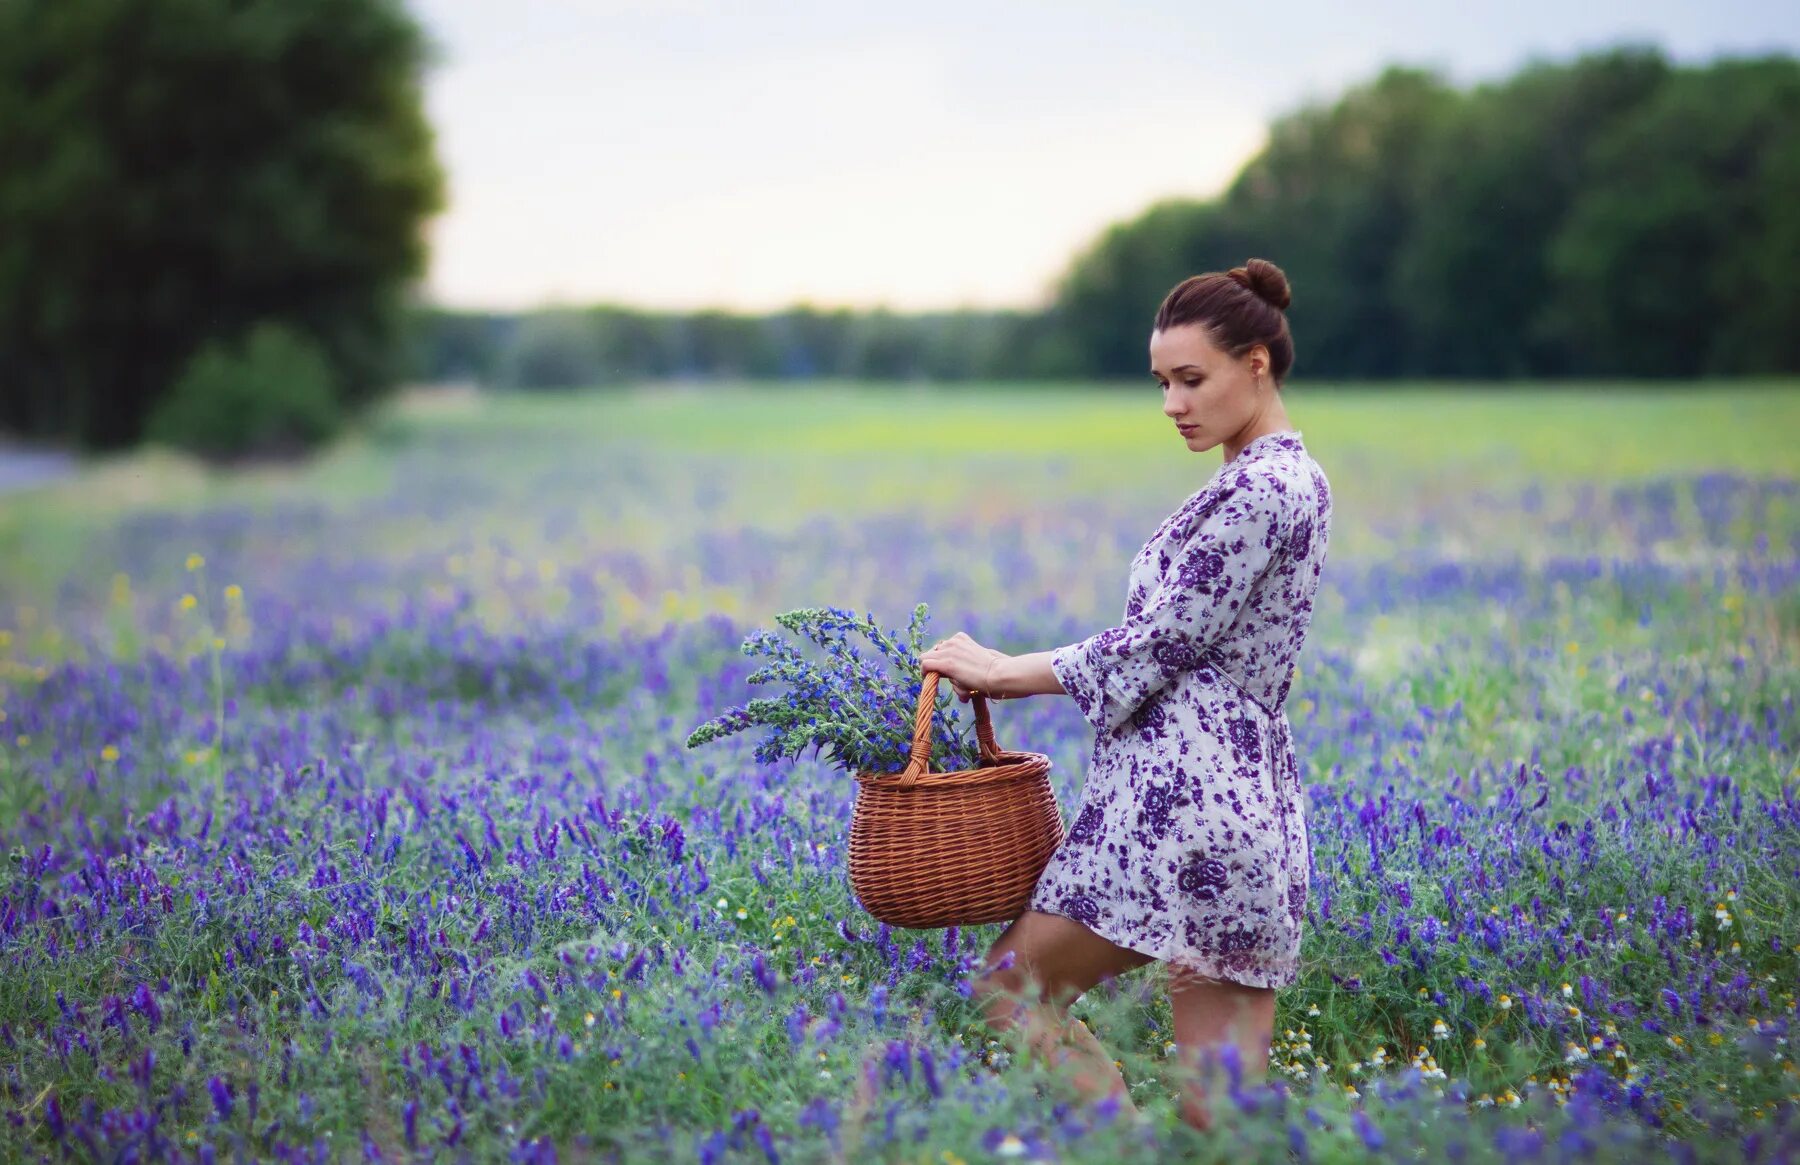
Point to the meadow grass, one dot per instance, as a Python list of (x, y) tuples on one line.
[(386, 842)]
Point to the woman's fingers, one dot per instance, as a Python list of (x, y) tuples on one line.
[(958, 655)]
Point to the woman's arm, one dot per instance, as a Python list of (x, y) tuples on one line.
[(1024, 675), (1205, 582), (971, 667), (1113, 672), (1110, 674)]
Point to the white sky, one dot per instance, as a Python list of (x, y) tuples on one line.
[(683, 153)]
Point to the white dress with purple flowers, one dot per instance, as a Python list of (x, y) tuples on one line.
[(1191, 844)]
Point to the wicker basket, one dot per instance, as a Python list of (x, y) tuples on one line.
[(952, 849)]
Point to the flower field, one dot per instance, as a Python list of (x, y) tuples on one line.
[(348, 813)]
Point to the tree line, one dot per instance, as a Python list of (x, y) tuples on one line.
[(211, 232), (1612, 215)]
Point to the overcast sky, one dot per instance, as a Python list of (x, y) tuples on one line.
[(682, 153)]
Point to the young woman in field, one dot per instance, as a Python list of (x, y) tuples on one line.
[(1190, 846)]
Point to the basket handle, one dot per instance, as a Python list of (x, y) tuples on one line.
[(921, 742)]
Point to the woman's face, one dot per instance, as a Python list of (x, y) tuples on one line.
[(1209, 394)]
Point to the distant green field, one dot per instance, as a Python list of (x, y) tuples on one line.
[(792, 450), (1478, 428), (1485, 433)]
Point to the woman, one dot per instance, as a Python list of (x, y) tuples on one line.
[(1190, 846)]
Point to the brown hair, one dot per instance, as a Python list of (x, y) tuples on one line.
[(1239, 308)]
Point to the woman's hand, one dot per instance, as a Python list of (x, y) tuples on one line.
[(964, 662)]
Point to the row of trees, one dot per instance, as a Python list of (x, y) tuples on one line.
[(569, 347), (211, 222), (1611, 215), (1615, 215)]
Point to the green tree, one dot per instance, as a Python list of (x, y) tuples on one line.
[(884, 345), (554, 348), (455, 345), (1664, 264), (634, 344), (1614, 215), (1760, 283), (1106, 300), (814, 341), (729, 345), (272, 394), (173, 171), (1331, 199), (1470, 277)]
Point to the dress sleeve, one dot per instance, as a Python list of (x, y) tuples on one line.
[(1208, 576)]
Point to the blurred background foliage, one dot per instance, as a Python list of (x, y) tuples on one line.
[(1609, 216), (174, 173)]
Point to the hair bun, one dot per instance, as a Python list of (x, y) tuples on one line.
[(1266, 281)]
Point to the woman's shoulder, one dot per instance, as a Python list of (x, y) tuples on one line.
[(1255, 493), (1287, 475), (1277, 478)]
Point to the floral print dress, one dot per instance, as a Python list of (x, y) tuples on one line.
[(1191, 843)]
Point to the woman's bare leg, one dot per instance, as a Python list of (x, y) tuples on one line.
[(1210, 1013), (1054, 961), (1095, 1072)]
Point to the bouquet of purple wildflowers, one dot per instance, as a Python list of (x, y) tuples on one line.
[(859, 707)]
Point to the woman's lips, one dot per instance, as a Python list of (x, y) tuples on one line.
[(1186, 430)]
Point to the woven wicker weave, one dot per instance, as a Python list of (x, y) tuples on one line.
[(952, 849)]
